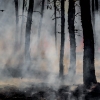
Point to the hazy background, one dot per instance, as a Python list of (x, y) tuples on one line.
[(44, 57)]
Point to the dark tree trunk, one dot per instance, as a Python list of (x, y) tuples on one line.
[(22, 21), (61, 71), (55, 14), (93, 2), (28, 30), (88, 59), (96, 5), (71, 18), (93, 21), (42, 13), (17, 20)]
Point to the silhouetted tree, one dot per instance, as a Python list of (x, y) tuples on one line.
[(62, 37), (93, 20), (17, 20), (71, 18), (96, 5), (28, 31), (93, 3), (88, 59), (55, 14), (42, 13), (23, 7)]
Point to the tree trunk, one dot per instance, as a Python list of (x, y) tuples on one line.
[(62, 38), (93, 21), (55, 14), (96, 5), (88, 59), (28, 31), (40, 23), (17, 20), (71, 18), (22, 22), (93, 2)]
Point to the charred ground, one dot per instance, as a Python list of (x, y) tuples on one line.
[(44, 92)]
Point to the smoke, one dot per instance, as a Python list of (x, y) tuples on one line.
[(44, 66)]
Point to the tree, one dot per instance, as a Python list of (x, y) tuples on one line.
[(55, 17), (94, 9), (62, 38), (22, 21), (17, 20), (71, 18), (28, 31), (55, 23), (39, 29), (96, 5), (42, 12), (88, 58)]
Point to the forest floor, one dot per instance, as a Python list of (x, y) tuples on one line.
[(44, 92), (18, 88), (22, 88)]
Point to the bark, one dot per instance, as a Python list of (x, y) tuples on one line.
[(55, 14), (22, 22), (17, 20), (71, 18), (28, 30), (62, 38), (42, 13), (88, 58)]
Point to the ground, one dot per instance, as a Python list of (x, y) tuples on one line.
[(44, 92)]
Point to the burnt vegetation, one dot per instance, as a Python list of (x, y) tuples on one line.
[(36, 92)]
